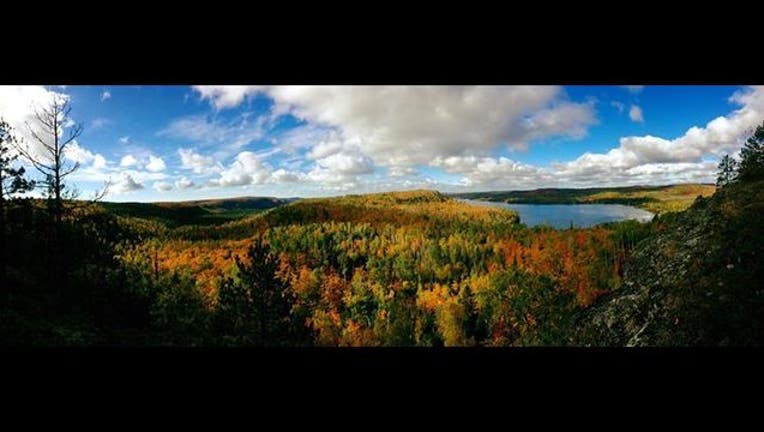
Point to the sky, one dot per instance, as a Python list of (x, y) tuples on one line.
[(172, 143)]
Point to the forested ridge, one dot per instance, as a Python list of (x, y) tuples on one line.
[(656, 199), (415, 268), (410, 268)]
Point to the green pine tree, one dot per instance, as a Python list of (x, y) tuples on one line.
[(727, 171), (12, 181), (752, 157), (255, 309)]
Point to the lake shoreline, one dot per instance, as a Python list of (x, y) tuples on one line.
[(567, 215), (655, 199)]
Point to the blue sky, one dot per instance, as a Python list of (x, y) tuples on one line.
[(156, 143)]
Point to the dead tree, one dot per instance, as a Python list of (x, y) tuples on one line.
[(53, 132), (49, 158)]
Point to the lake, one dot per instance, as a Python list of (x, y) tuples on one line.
[(562, 215)]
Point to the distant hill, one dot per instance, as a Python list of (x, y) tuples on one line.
[(200, 212), (657, 199), (416, 207)]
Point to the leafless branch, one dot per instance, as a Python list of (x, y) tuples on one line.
[(100, 194), (39, 139), (68, 171), (44, 169), (75, 132)]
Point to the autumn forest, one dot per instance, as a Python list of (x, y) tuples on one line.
[(400, 268)]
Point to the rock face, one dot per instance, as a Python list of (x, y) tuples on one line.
[(698, 281)]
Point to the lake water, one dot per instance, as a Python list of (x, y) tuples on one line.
[(562, 215)]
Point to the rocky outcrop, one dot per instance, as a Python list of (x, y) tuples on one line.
[(698, 281)]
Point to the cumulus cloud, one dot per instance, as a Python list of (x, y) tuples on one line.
[(17, 107), (197, 163), (325, 149), (106, 95), (637, 160), (283, 176), (635, 114), (162, 186), (303, 136), (489, 171), (99, 162), (650, 157), (127, 184), (246, 169), (184, 183), (155, 164), (128, 161), (77, 153), (148, 162), (338, 163), (124, 139), (408, 125), (347, 163), (87, 159), (401, 171), (381, 138), (226, 96)]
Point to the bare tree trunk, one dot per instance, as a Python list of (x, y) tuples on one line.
[(50, 161)]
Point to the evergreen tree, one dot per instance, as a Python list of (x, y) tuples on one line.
[(752, 157), (12, 181), (727, 171), (256, 308)]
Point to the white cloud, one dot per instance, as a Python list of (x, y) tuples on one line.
[(78, 154), (155, 164), (324, 149), (127, 184), (408, 125), (99, 123), (347, 134), (653, 158), (145, 161), (283, 176), (226, 96), (128, 161), (347, 164), (162, 186), (226, 138), (124, 139), (635, 114), (106, 95), (99, 162), (338, 163), (401, 171), (246, 169), (17, 107), (197, 163), (634, 88), (637, 160), (303, 136), (489, 171), (184, 183)]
